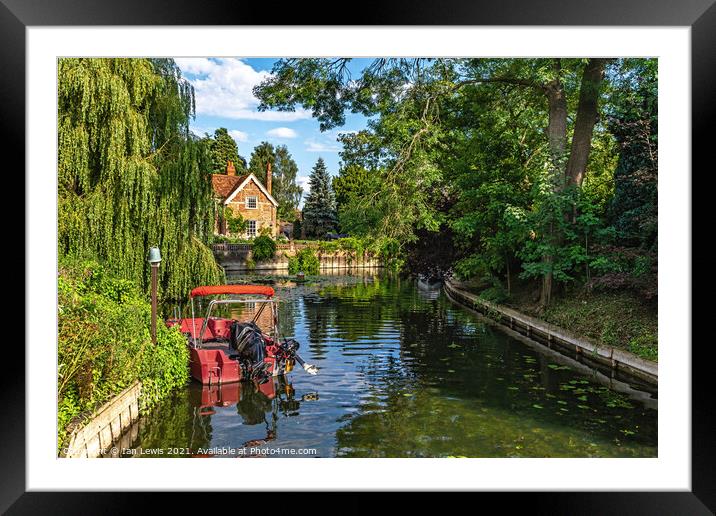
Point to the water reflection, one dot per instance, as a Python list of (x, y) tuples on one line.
[(190, 427), (405, 373)]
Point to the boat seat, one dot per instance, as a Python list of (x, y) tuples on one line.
[(220, 328)]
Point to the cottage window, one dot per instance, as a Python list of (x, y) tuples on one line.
[(252, 228), (252, 203)]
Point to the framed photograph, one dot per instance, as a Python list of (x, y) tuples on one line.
[(426, 250)]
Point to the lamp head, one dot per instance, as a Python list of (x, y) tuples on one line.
[(154, 255)]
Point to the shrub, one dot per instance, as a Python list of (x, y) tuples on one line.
[(228, 239), (306, 261), (264, 248), (495, 292), (236, 223), (104, 344)]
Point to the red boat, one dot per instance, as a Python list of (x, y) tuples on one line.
[(225, 350)]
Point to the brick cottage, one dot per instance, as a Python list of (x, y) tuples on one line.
[(245, 195)]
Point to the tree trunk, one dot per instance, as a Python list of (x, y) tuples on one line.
[(509, 290), (557, 127), (546, 292), (557, 137), (587, 112)]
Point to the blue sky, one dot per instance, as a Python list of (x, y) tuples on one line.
[(224, 98)]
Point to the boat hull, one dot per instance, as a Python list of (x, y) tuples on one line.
[(214, 362)]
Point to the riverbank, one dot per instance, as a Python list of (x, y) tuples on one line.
[(617, 319), (104, 345)]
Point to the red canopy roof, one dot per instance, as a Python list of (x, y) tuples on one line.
[(211, 290)]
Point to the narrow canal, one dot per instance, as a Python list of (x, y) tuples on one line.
[(405, 373)]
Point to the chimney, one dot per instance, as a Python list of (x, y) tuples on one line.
[(230, 170), (268, 177)]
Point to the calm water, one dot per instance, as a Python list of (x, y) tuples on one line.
[(406, 373)]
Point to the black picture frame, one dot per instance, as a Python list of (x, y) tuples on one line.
[(700, 15)]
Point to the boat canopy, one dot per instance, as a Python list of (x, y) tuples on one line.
[(211, 290)]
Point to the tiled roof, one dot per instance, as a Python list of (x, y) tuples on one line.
[(223, 185)]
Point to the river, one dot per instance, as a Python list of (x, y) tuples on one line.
[(404, 372)]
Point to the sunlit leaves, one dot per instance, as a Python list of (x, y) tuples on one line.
[(128, 175)]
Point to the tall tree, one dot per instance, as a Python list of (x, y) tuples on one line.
[(351, 182), (261, 156), (130, 175), (410, 95), (285, 189), (284, 171), (319, 211), (224, 149), (633, 120)]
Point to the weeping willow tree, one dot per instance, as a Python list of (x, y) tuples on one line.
[(130, 175)]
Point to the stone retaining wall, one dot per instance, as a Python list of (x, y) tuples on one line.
[(558, 338), (106, 425)]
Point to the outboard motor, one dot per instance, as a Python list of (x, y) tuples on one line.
[(248, 342)]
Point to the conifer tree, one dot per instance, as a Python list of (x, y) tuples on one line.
[(319, 212)]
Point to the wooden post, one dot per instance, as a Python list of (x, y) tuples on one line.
[(154, 302)]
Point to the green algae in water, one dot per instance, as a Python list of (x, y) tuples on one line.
[(385, 390)]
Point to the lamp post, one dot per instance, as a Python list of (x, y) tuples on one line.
[(155, 258)]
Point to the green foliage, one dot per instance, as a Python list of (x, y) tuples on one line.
[(130, 176), (645, 345), (104, 343), (305, 261), (223, 149), (390, 252), (285, 189), (634, 124), (261, 156), (495, 292), (319, 211), (283, 176), (263, 248), (468, 146), (235, 223), (297, 226), (352, 181), (228, 239)]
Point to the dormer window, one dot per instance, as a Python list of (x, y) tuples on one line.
[(252, 203)]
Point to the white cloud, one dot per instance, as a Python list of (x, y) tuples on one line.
[(201, 131), (316, 146), (282, 132), (239, 136), (327, 141), (224, 87), (303, 183)]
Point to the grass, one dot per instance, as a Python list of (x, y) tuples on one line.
[(620, 319)]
